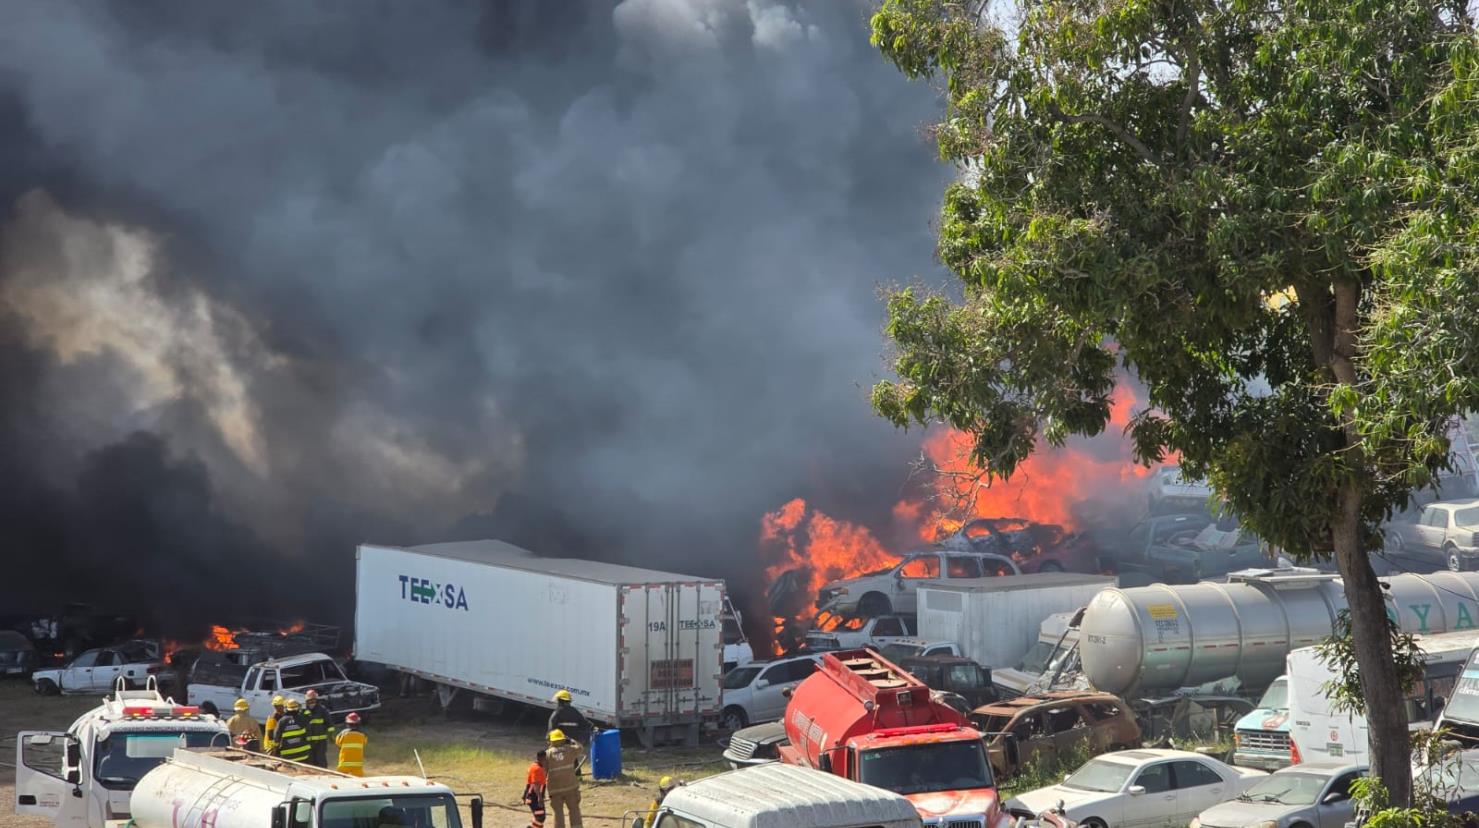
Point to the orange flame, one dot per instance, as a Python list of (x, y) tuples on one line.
[(293, 628), (221, 639)]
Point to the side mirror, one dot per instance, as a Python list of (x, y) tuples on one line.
[(73, 753), (824, 763), (280, 816), (1136, 790), (476, 806), (637, 822), (74, 777), (761, 684), (788, 691), (1332, 798)]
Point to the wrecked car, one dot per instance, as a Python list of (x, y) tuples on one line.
[(893, 590), (100, 669), (953, 674), (1035, 547), (1039, 728), (1186, 548)]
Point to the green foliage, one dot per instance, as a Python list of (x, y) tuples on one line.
[(1431, 790), (1338, 653), (1183, 188)]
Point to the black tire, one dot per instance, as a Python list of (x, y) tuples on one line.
[(875, 604), (1050, 566), (1455, 563), (47, 687), (1093, 822), (733, 718)]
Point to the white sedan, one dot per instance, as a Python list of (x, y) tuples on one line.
[(1141, 787)]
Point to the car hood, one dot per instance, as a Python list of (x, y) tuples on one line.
[(1236, 814), (1044, 798), (954, 803)]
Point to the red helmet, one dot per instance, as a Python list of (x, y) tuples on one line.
[(311, 694), (352, 718)]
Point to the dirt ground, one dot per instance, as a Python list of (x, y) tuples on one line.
[(476, 754)]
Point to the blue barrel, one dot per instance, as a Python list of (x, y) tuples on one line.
[(606, 754)]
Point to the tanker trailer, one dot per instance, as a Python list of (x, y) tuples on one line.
[(1216, 646), (230, 788)]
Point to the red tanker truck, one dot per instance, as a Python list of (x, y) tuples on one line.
[(861, 717)]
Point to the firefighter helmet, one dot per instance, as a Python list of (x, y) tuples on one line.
[(352, 718), (562, 695), (293, 704), (557, 735), (278, 701), (241, 705), (311, 695)]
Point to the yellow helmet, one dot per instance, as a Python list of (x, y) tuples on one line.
[(665, 782), (293, 704), (278, 701), (557, 735), (562, 695), (241, 704)]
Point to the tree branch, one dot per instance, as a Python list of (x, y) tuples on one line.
[(1120, 132), (1193, 74)]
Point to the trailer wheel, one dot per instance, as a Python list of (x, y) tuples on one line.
[(733, 718), (47, 687), (874, 604)]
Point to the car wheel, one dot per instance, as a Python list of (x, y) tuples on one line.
[(47, 687), (874, 604), (1093, 822), (733, 718), (1455, 564), (1050, 566)]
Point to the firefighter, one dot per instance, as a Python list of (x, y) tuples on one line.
[(562, 765), (292, 733), (567, 719), (245, 732), (269, 737), (320, 728), (535, 782), (351, 742), (665, 786)]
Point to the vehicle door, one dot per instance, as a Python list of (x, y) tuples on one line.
[(40, 788), (1033, 736), (106, 669), (1111, 728), (767, 694), (1156, 803), (886, 629), (1069, 727), (77, 675), (1198, 787), (265, 687), (1432, 528), (962, 566), (924, 566), (1335, 807)]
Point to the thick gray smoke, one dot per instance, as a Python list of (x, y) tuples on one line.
[(596, 277)]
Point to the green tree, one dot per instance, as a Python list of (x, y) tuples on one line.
[(1263, 209)]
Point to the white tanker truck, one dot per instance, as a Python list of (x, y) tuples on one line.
[(231, 788), (1194, 656)]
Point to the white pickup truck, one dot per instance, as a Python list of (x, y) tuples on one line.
[(217, 680), (99, 670)]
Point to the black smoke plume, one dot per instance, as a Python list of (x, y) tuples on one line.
[(278, 278)]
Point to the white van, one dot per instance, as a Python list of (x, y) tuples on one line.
[(781, 796), (1319, 734)]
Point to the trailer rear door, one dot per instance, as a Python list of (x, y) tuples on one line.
[(671, 651)]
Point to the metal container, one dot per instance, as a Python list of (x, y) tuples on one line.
[(1159, 638)]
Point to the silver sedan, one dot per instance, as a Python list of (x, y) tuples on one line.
[(1302, 796)]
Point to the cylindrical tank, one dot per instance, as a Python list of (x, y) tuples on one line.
[(1159, 637), (179, 795)]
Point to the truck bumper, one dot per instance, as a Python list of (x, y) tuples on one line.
[(1260, 759)]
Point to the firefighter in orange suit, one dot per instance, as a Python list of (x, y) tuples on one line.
[(351, 742)]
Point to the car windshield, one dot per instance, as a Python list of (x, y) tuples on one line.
[(122, 759), (314, 672), (1276, 697), (1100, 775), (1288, 789), (740, 677), (938, 766), (419, 811), (1036, 660), (1466, 517), (899, 652), (1456, 775)]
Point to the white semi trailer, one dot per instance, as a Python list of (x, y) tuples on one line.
[(636, 648), (229, 788)]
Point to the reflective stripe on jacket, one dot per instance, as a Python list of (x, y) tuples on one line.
[(316, 719), (269, 734), (351, 752), (292, 738), (560, 762)]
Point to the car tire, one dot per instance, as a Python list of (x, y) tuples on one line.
[(1093, 822), (47, 687), (874, 604), (733, 718), (1455, 563), (1050, 566)]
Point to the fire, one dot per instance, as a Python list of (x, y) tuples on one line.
[(1053, 486), (293, 628), (221, 639)]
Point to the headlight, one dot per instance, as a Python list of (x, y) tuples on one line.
[(1267, 823), (1196, 822)]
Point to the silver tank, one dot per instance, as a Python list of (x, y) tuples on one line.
[(1159, 638)]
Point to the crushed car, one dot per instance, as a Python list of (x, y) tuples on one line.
[(1035, 729), (1035, 547), (894, 590), (133, 662)]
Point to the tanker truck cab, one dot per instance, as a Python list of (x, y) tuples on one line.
[(861, 717), (231, 788), (83, 778), (1261, 738), (1460, 719)]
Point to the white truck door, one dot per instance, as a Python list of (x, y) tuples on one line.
[(77, 675), (40, 789), (105, 670), (260, 687)]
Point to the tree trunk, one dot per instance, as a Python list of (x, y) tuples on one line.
[(1386, 712)]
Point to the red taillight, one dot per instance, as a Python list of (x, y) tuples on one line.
[(1294, 757), (138, 712)]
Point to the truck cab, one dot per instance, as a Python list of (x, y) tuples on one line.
[(1261, 737), (864, 718), (779, 795), (83, 778)]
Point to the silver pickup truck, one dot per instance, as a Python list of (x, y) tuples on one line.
[(217, 680)]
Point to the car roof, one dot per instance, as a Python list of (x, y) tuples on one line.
[(1454, 505), (1148, 754), (1323, 768), (1018, 704)]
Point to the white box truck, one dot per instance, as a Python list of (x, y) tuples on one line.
[(637, 649), (996, 620)]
